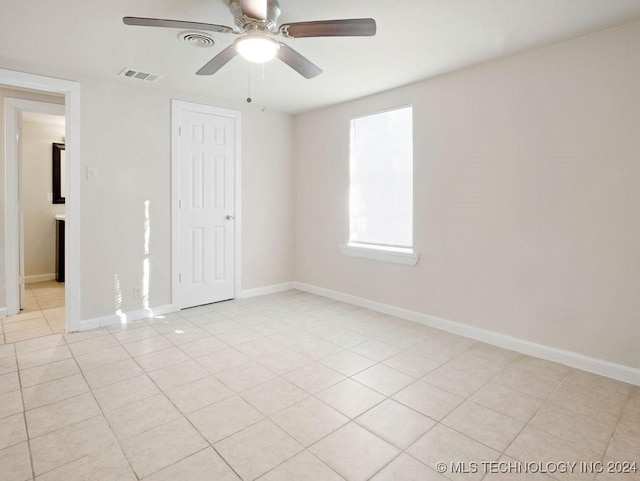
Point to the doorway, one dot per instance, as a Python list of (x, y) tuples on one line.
[(41, 128), (205, 204), (13, 274)]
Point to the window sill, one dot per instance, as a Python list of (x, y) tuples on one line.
[(397, 256)]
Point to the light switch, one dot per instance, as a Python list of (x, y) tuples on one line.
[(92, 173), (49, 197)]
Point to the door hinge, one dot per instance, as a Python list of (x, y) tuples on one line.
[(179, 203), (180, 277), (179, 131)]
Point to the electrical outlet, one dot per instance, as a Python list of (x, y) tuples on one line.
[(137, 292), (49, 197)]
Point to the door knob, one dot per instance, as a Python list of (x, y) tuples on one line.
[(230, 217)]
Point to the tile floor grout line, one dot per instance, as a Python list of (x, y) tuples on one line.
[(304, 450), (544, 402), (24, 417), (349, 420), (186, 418), (468, 398), (354, 421), (239, 394), (29, 438), (400, 453), (615, 429), (102, 410), (103, 417), (29, 311), (302, 321)]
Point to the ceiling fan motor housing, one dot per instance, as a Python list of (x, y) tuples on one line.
[(245, 23)]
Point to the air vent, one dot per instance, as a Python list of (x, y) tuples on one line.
[(196, 39), (136, 74)]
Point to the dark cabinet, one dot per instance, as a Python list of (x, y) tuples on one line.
[(60, 250)]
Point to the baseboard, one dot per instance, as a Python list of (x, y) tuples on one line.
[(263, 291), (118, 318), (601, 367), (39, 278), (3, 312), (124, 317)]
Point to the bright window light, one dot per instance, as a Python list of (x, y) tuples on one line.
[(381, 183)]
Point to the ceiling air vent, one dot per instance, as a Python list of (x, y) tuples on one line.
[(136, 74), (196, 39)]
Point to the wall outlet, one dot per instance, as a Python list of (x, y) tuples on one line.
[(49, 197), (137, 292)]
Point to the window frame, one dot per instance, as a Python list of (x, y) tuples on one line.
[(379, 252)]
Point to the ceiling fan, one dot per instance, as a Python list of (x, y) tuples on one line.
[(257, 24)]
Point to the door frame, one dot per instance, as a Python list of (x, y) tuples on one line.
[(15, 164), (71, 92), (178, 106)]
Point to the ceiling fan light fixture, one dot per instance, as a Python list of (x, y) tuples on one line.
[(257, 48), (257, 23)]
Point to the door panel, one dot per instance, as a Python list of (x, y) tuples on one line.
[(21, 273), (207, 230)]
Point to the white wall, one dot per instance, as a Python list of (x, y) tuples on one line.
[(39, 223), (125, 128), (267, 198), (126, 137), (527, 205)]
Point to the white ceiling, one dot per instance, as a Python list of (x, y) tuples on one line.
[(40, 118), (416, 39)]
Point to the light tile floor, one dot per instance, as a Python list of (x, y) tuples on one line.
[(43, 313), (294, 387)]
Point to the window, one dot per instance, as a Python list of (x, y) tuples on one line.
[(381, 185)]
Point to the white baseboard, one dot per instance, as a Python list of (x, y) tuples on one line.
[(263, 291), (124, 317), (612, 370), (39, 278), (3, 312)]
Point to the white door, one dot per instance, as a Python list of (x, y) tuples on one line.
[(21, 287), (207, 157)]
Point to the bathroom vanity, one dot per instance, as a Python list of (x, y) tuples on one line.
[(60, 220)]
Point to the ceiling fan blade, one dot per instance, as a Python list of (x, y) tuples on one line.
[(254, 8), (158, 22), (298, 62), (219, 61), (355, 27)]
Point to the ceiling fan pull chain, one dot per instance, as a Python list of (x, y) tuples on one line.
[(248, 83)]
